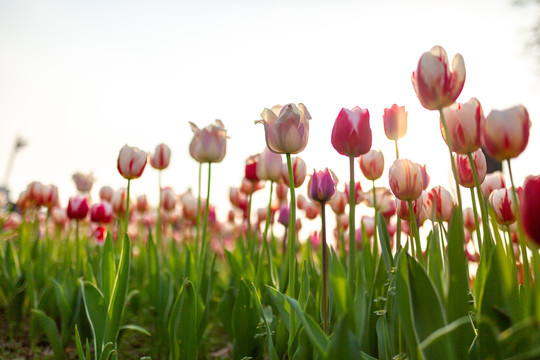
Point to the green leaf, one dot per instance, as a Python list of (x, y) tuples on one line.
[(96, 310), (317, 337), (80, 351), (281, 304), (384, 239), (108, 268), (65, 310), (339, 288), (49, 328), (245, 319), (117, 304), (343, 344), (136, 328), (270, 343), (183, 324)]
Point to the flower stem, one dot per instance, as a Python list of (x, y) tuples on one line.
[(352, 227), (397, 150), (291, 243), (375, 237), (483, 207), (452, 162), (249, 239), (197, 239), (158, 225), (521, 237), (77, 246), (475, 212), (127, 208), (265, 235), (205, 224), (324, 269), (412, 224)]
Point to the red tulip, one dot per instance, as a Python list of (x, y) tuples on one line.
[(402, 208), (463, 122), (465, 174), (506, 133), (351, 134), (438, 204), (359, 194), (395, 122), (161, 157), (168, 200), (77, 207), (434, 83), (101, 212), (286, 128), (251, 168), (372, 164), (529, 202), (131, 162), (502, 201), (299, 172), (405, 179)]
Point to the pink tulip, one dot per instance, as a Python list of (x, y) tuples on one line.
[(299, 172), (269, 166), (168, 200), (402, 208), (502, 202), (59, 216), (322, 185), (338, 202), (468, 219), (161, 157), (49, 196), (351, 134), (142, 204), (395, 122), (492, 182), (286, 128), (372, 164), (529, 201), (315, 240), (405, 179), (249, 187), (425, 177), (438, 204), (359, 194), (434, 83), (106, 193), (119, 202), (368, 222), (34, 192), (505, 134), (312, 210), (101, 212), (465, 174), (12, 221), (210, 143), (463, 122), (283, 217), (282, 190), (77, 207), (131, 162), (83, 182)]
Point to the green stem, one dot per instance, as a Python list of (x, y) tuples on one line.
[(77, 247), (352, 227), (291, 243), (412, 224), (249, 239), (481, 200), (265, 235), (521, 237), (197, 239), (375, 236), (127, 208), (158, 225), (475, 212), (205, 224), (397, 150), (452, 162), (324, 269)]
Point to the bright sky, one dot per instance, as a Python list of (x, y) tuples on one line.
[(79, 79)]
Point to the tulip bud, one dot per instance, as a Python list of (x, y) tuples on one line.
[(49, 196), (210, 143), (106, 193), (286, 128), (77, 207), (312, 210), (100, 235), (395, 122), (506, 133), (249, 187), (83, 182), (468, 219), (405, 179), (502, 202), (529, 201), (434, 83), (269, 166), (372, 164), (351, 134), (402, 208), (131, 162), (161, 158), (492, 182), (59, 216), (142, 203), (168, 200), (322, 185), (425, 177), (283, 217), (119, 202), (282, 191), (101, 212), (465, 173), (463, 122), (368, 223), (315, 240), (359, 194), (338, 202), (251, 168), (34, 192), (299, 172), (438, 204)]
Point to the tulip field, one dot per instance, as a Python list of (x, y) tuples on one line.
[(421, 276)]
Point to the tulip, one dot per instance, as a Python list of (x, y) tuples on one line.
[(49, 196), (492, 182), (315, 240), (425, 177), (438, 204), (77, 207), (83, 182), (142, 204), (286, 128), (106, 193), (469, 220), (269, 166), (251, 168), (100, 234), (131, 162), (351, 134), (372, 164), (312, 210), (358, 193), (168, 200), (322, 185), (12, 221), (368, 223), (395, 122), (101, 212), (405, 179), (281, 192), (210, 143), (299, 172), (248, 187), (529, 201), (119, 202), (161, 157), (34, 192), (283, 217), (503, 205), (465, 173), (434, 83), (59, 216), (338, 202), (463, 122), (505, 134), (403, 208)]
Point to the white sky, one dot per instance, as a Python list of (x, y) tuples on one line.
[(79, 79)]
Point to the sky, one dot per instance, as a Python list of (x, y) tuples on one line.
[(79, 79)]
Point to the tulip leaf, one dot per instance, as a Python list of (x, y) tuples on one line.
[(49, 328), (384, 239), (245, 319), (96, 311), (315, 334), (281, 304), (108, 268)]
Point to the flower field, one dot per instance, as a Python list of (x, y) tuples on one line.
[(419, 277)]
